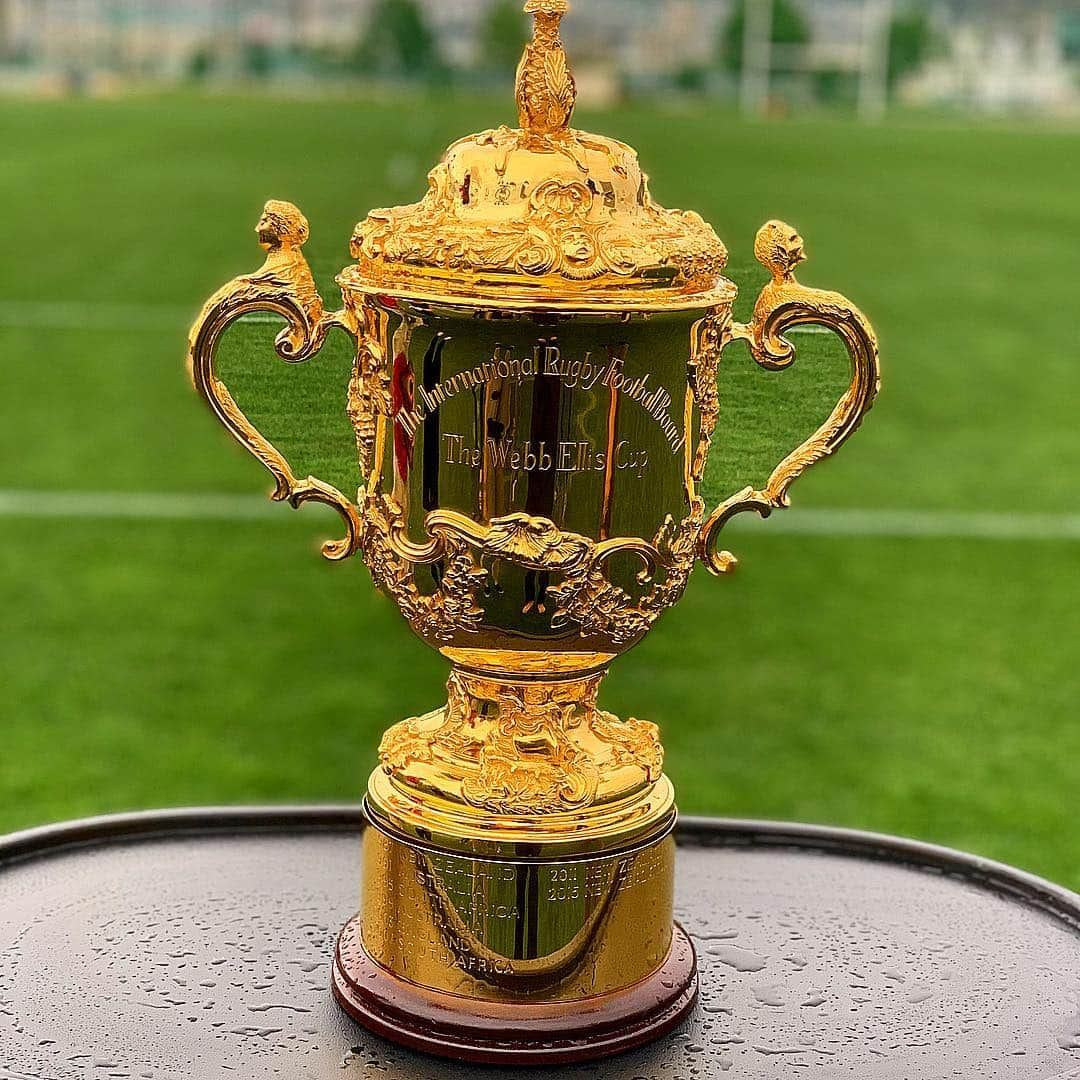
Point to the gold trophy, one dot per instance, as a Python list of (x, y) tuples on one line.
[(534, 398)]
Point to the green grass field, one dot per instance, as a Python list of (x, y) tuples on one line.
[(924, 686)]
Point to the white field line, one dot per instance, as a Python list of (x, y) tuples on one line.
[(34, 315), (49, 315), (916, 524), (136, 505), (925, 524)]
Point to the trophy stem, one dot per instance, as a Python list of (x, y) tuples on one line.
[(523, 759)]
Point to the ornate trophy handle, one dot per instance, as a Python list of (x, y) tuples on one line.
[(282, 285), (785, 303)]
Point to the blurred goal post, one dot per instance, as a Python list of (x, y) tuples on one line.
[(866, 55)]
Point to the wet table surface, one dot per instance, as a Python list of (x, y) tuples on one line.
[(197, 944)]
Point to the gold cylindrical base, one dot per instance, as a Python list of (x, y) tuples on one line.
[(549, 945), (528, 927)]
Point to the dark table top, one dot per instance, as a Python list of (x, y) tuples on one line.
[(197, 944)]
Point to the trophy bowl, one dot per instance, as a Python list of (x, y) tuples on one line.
[(534, 400)]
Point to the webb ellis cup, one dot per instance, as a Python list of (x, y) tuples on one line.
[(534, 399)]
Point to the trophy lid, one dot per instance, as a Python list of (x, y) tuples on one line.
[(541, 216)]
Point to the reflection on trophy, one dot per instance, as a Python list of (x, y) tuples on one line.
[(534, 400)]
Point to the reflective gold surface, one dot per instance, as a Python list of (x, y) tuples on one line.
[(538, 930), (531, 480), (509, 762), (534, 401)]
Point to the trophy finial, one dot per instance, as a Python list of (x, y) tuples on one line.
[(547, 7), (546, 92)]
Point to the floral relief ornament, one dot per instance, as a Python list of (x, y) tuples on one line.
[(586, 598), (560, 233), (524, 749)]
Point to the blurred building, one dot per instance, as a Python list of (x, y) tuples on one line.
[(993, 54), (1002, 55)]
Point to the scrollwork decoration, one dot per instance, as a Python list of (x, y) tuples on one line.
[(560, 234), (783, 304), (586, 597), (538, 748), (284, 286), (438, 616), (370, 400), (708, 346)]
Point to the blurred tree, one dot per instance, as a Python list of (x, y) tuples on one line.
[(789, 27), (503, 36), (7, 29), (911, 39), (398, 42), (202, 63), (691, 79), (1069, 33), (836, 86), (258, 59)]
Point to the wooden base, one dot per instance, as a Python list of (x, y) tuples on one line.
[(512, 1033)]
